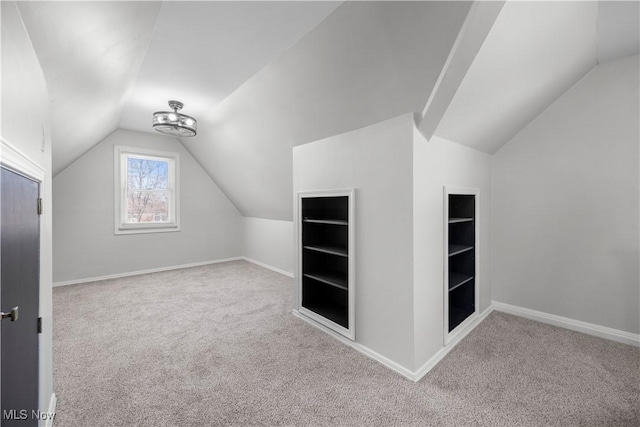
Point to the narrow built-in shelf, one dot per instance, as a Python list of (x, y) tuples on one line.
[(333, 279), (334, 312), (326, 221), (326, 263), (460, 262), (458, 314), (458, 279), (458, 249), (457, 220), (327, 249)]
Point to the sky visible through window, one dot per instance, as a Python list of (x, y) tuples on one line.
[(148, 194)]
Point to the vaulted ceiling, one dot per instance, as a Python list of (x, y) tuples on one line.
[(112, 64), (90, 54), (534, 52), (366, 62), (264, 76)]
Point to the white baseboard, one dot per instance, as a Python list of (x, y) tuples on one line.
[(436, 358), (52, 411), (359, 347), (407, 373), (563, 322), (574, 325), (136, 273), (270, 267)]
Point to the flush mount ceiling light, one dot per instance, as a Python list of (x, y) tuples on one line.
[(174, 123)]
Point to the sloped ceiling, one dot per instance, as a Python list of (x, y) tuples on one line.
[(368, 61), (618, 29), (112, 64), (89, 53), (264, 76), (534, 52), (260, 77), (201, 52)]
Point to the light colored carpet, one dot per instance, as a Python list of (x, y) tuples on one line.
[(218, 345)]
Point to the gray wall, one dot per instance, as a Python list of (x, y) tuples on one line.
[(377, 162), (84, 242), (269, 241), (366, 62), (439, 163), (26, 120), (565, 206)]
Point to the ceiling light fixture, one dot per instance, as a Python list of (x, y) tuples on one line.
[(174, 123)]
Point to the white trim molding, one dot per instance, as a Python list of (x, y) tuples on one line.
[(121, 154), (407, 373), (454, 341), (51, 414), (450, 336), (359, 347), (15, 160), (173, 267), (270, 267), (350, 193), (139, 272), (567, 323)]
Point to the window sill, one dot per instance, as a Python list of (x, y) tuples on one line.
[(151, 228)]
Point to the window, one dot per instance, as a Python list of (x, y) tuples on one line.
[(146, 190)]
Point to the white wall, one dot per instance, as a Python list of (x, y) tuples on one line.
[(90, 54), (529, 58), (565, 209), (84, 242), (438, 163), (270, 242), (618, 29), (26, 120), (366, 62), (377, 162)]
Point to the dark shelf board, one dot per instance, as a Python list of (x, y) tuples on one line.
[(334, 312), (457, 316), (457, 220), (458, 249), (326, 221), (329, 278), (328, 249), (458, 279)]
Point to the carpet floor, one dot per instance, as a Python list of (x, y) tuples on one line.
[(218, 346)]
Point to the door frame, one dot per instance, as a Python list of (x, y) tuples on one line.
[(16, 161), (13, 159)]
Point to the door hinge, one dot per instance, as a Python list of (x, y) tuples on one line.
[(40, 206), (39, 325)]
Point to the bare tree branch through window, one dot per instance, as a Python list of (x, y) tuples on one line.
[(148, 190)]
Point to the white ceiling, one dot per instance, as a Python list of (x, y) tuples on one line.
[(618, 29), (534, 52), (264, 76), (201, 52), (112, 64), (260, 77), (89, 53), (367, 62)]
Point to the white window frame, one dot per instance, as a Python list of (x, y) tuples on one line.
[(120, 156)]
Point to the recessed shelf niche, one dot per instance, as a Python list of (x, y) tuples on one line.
[(326, 263), (461, 253)]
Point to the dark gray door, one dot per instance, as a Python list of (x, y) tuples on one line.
[(20, 272)]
